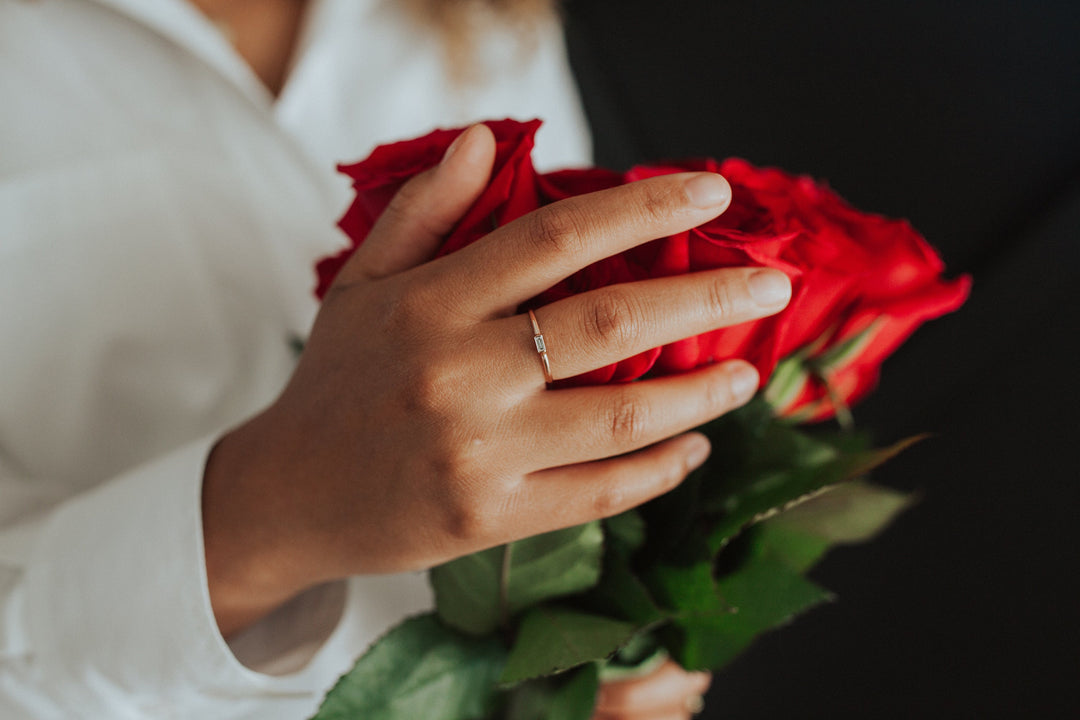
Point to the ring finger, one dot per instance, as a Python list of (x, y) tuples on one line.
[(607, 325)]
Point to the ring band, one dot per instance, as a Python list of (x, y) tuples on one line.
[(695, 704), (541, 348)]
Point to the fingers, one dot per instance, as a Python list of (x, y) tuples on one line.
[(582, 424), (605, 326), (529, 255), (575, 494), (668, 714), (670, 691), (424, 211)]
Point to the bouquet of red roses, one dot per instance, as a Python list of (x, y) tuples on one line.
[(527, 630)]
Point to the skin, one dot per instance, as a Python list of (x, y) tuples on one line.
[(264, 33), (661, 695), (417, 426)]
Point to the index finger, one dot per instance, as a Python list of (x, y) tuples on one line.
[(527, 256)]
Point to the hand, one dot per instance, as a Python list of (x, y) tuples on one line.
[(668, 693), (417, 426)]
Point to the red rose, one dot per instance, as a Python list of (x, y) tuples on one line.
[(511, 193), (861, 283)]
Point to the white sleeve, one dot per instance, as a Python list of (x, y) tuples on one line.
[(105, 613), (155, 261)]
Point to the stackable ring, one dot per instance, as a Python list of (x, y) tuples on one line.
[(541, 348)]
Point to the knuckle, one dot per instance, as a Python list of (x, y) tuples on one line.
[(405, 200), (559, 229), (397, 210), (464, 522), (627, 420), (660, 200), (719, 394), (452, 488), (720, 298), (467, 522), (473, 515), (614, 318), (400, 313), (337, 292), (672, 473), (432, 392), (609, 500), (414, 312)]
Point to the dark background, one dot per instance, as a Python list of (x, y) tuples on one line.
[(965, 118)]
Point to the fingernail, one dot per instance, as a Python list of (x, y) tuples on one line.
[(769, 287), (744, 381), (708, 190), (697, 452), (458, 141)]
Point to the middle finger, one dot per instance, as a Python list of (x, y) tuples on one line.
[(530, 254)]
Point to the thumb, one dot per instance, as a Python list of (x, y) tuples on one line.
[(424, 211)]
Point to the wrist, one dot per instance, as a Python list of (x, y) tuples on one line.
[(254, 563)]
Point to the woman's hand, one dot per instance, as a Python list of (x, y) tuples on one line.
[(667, 693), (417, 426)]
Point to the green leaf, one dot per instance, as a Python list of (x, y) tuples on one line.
[(686, 589), (552, 639), (479, 592), (625, 532), (683, 582), (844, 352), (571, 696), (847, 513), (762, 594), (754, 445), (419, 669), (778, 451), (622, 594), (786, 382), (671, 517), (642, 656), (770, 493), (793, 372), (798, 550)]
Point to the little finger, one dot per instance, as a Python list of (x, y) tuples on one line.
[(561, 497)]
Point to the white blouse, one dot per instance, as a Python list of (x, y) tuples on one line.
[(160, 215)]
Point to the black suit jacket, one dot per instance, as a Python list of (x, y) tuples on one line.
[(964, 117)]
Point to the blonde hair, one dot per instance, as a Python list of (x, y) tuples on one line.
[(453, 13), (459, 22)]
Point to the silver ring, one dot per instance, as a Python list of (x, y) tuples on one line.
[(541, 348)]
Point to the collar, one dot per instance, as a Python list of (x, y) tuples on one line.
[(181, 23)]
